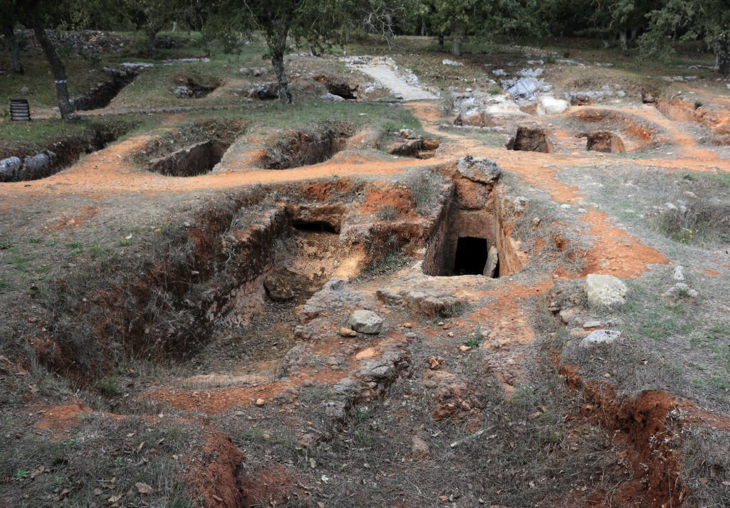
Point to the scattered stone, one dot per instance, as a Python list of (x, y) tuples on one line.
[(464, 348), (454, 63), (331, 97), (365, 354), (525, 88), (580, 100), (479, 169), (453, 399), (605, 290), (10, 169), (597, 337), (183, 92), (420, 448), (260, 402), (347, 332), (408, 325), (366, 321), (278, 288), (681, 290), (143, 488), (592, 324), (678, 273), (434, 362), (549, 105), (265, 91)]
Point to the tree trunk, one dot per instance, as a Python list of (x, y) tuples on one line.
[(441, 41), (276, 40), (12, 42), (277, 60), (59, 70), (150, 45), (723, 61), (624, 42), (456, 46)]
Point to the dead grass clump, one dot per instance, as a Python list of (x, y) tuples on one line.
[(698, 221), (424, 187), (126, 459), (706, 465)]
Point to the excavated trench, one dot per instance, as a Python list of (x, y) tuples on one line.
[(102, 95), (304, 148), (29, 165), (192, 160)]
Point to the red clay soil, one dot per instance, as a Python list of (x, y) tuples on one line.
[(648, 425), (270, 486), (614, 251), (213, 473), (58, 419)]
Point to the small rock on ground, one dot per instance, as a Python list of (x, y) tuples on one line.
[(605, 290), (600, 337), (366, 321)]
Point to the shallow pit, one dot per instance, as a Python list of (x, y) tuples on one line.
[(635, 133), (304, 148), (193, 87), (603, 141), (192, 160), (527, 139), (338, 87)]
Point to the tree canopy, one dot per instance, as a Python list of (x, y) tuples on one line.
[(648, 26)]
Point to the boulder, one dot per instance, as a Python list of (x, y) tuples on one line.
[(549, 105), (10, 169), (36, 166), (479, 169), (278, 287), (677, 274), (182, 92), (331, 97), (598, 337), (605, 290), (366, 321), (490, 268)]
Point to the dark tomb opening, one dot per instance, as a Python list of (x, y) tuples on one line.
[(471, 256)]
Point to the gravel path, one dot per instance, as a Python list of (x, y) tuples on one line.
[(385, 73)]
